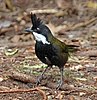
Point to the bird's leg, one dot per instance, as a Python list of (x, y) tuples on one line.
[(41, 76), (61, 79)]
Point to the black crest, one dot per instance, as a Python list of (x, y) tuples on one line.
[(35, 21)]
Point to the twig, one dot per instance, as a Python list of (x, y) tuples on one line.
[(26, 90), (83, 23), (47, 11), (4, 30), (42, 93), (71, 27), (18, 44)]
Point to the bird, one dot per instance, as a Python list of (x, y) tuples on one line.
[(48, 48)]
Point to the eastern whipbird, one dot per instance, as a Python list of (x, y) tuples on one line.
[(49, 49)]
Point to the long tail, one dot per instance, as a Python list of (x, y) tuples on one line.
[(72, 48)]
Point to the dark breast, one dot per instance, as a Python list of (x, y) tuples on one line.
[(43, 52), (55, 57)]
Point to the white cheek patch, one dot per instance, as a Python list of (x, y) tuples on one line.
[(41, 38)]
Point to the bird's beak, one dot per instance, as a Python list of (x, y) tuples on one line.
[(29, 30)]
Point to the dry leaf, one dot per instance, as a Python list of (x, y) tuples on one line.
[(1, 79), (92, 4), (4, 24), (9, 4), (10, 52)]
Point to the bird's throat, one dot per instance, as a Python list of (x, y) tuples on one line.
[(40, 38)]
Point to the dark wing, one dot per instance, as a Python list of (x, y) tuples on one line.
[(35, 21), (59, 56)]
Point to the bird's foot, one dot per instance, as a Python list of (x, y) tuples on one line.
[(39, 80), (59, 85)]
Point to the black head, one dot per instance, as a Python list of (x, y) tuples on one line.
[(39, 28), (36, 22)]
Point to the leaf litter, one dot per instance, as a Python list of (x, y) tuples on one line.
[(73, 23)]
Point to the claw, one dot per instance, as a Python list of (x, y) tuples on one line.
[(39, 80), (59, 85), (61, 79)]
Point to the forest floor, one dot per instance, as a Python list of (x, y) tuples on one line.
[(71, 21)]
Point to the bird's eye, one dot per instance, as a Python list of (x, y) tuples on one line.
[(38, 30)]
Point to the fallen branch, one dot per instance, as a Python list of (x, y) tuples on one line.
[(32, 79), (68, 89), (73, 27), (83, 24), (22, 77), (68, 26)]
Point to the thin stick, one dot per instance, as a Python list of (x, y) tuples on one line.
[(26, 90), (47, 11)]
